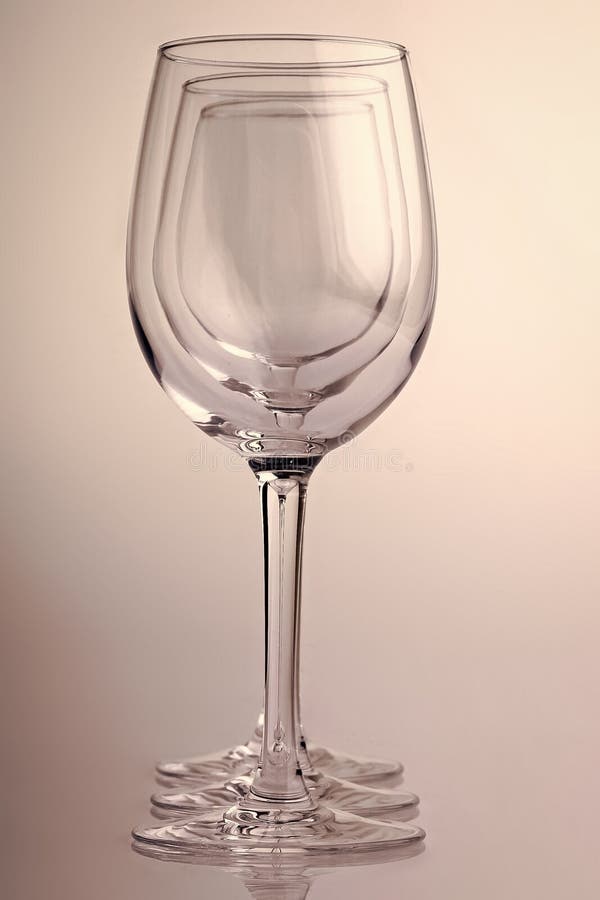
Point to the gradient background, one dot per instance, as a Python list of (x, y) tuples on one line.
[(451, 595)]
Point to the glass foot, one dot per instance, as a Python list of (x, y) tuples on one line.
[(342, 795), (206, 771), (209, 769), (315, 832), (353, 768)]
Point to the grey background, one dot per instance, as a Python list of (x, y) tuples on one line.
[(451, 587)]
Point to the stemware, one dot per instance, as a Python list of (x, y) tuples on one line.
[(177, 62), (288, 296)]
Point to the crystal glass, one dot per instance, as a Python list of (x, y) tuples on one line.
[(282, 278), (177, 62)]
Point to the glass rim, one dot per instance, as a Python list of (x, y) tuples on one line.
[(169, 50), (204, 84)]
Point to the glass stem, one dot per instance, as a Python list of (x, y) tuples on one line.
[(303, 754), (279, 776), (283, 887)]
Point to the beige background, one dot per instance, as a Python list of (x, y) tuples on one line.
[(452, 613)]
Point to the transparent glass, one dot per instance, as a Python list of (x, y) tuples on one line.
[(281, 267), (214, 769), (177, 62)]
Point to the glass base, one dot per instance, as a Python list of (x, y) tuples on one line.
[(353, 768), (217, 768), (316, 832), (343, 795)]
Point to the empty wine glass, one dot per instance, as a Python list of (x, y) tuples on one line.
[(177, 62), (292, 285)]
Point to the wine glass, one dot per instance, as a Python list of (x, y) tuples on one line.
[(177, 62), (293, 274)]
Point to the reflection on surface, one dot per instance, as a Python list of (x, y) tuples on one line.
[(279, 878)]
